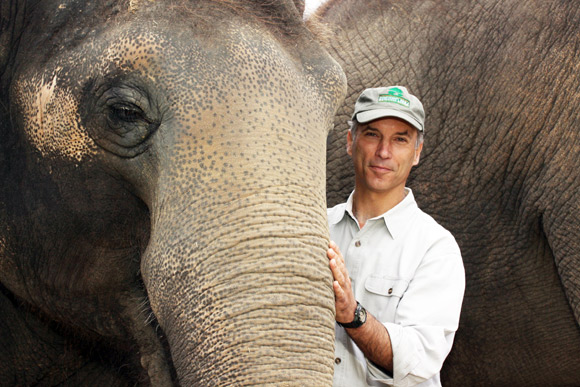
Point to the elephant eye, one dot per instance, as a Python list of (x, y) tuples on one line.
[(121, 115), (129, 128), (127, 114)]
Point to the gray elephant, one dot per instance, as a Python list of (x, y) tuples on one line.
[(500, 167), (162, 199)]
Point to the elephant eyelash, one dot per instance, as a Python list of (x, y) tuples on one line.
[(129, 114)]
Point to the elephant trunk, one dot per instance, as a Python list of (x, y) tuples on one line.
[(237, 274)]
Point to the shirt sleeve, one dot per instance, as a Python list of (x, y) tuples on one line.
[(426, 318)]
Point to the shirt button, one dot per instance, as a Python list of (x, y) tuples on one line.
[(391, 291), (357, 243), (337, 360)]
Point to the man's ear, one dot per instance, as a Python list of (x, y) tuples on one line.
[(349, 142), (418, 154)]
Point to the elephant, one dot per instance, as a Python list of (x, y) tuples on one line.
[(500, 167), (162, 183), (162, 193)]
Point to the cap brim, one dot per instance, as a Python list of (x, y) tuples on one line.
[(375, 114)]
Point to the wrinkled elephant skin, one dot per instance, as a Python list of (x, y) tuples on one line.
[(500, 167), (162, 162)]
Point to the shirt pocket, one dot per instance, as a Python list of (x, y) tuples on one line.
[(384, 294)]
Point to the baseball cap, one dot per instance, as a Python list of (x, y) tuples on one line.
[(391, 101)]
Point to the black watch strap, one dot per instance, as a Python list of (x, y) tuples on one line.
[(360, 317)]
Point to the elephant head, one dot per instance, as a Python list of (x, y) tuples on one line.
[(163, 162), (499, 168)]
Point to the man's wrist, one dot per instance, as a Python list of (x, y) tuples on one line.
[(360, 317)]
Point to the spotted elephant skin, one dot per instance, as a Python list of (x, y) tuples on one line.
[(162, 194), (500, 167)]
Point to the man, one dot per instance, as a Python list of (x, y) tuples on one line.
[(403, 268)]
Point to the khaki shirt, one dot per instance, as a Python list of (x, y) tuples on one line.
[(407, 271)]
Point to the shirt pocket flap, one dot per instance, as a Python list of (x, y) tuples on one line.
[(386, 286)]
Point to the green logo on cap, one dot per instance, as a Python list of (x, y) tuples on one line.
[(394, 95)]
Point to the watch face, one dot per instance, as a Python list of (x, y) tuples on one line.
[(361, 314), (360, 317)]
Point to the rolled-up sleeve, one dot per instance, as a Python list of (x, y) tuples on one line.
[(426, 320)]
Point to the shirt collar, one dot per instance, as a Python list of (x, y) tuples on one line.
[(396, 219), (345, 208)]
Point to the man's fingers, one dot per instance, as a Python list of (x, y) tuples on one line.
[(341, 284), (339, 293), (333, 249), (337, 272), (340, 296), (332, 254), (337, 265)]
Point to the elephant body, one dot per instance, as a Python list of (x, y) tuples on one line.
[(500, 167), (162, 201)]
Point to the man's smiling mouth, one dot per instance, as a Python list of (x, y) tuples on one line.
[(381, 168)]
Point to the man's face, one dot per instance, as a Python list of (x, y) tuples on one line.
[(383, 152)]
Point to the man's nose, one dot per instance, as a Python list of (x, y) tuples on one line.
[(384, 150)]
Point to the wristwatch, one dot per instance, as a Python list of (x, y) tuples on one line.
[(360, 317)]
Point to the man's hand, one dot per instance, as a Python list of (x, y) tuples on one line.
[(372, 337), (345, 303)]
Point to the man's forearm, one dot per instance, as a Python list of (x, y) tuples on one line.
[(373, 340), (372, 337)]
